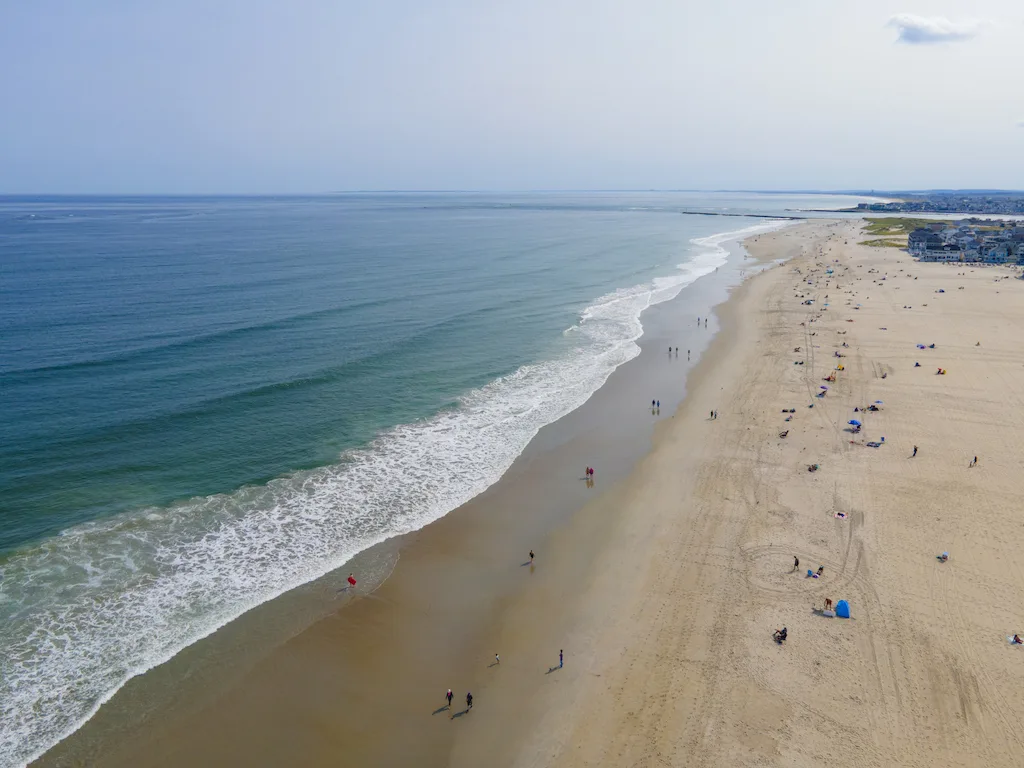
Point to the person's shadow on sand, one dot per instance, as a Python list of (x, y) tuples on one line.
[(439, 710), (552, 669), (459, 714)]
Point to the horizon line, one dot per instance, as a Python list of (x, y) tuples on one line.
[(858, 192), (454, 191)]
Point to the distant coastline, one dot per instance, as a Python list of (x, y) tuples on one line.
[(745, 215)]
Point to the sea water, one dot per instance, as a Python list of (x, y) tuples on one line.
[(205, 402)]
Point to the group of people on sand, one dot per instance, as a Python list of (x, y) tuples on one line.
[(469, 700), (497, 663), (780, 635)]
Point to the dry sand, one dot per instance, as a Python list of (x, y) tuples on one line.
[(672, 662)]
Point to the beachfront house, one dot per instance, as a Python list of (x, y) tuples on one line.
[(917, 241), (944, 252), (996, 254)]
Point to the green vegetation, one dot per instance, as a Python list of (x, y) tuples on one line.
[(883, 243), (893, 225)]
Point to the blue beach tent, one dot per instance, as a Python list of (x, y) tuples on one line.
[(843, 609)]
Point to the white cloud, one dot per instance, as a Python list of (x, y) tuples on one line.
[(919, 30)]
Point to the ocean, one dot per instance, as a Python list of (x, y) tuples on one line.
[(208, 401)]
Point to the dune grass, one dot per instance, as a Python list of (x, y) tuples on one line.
[(883, 243), (894, 225)]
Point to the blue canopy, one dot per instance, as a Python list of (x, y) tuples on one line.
[(843, 609)]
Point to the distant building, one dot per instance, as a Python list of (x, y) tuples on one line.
[(917, 241), (943, 252), (995, 254)]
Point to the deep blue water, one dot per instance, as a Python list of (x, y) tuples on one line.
[(193, 387), (159, 349)]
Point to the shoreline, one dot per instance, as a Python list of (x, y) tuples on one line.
[(290, 614), (663, 589)]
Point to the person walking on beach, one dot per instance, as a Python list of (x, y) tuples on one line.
[(497, 659), (705, 322), (351, 581), (796, 562), (531, 557), (469, 701), (687, 354), (973, 462), (449, 696), (659, 405), (915, 452), (561, 659)]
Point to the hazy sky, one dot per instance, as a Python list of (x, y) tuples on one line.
[(319, 95)]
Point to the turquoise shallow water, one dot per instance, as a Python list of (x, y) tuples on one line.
[(207, 401)]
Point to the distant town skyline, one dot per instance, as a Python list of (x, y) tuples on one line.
[(319, 96)]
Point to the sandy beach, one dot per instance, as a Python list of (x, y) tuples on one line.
[(674, 662), (663, 585)]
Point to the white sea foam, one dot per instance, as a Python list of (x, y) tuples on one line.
[(107, 600)]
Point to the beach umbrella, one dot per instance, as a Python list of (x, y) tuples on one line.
[(854, 422)]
